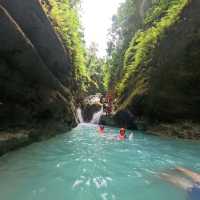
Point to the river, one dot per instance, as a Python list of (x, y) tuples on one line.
[(82, 165)]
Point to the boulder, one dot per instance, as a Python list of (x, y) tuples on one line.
[(125, 119), (88, 111), (122, 118), (108, 120)]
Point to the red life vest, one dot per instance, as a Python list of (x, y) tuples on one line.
[(101, 130)]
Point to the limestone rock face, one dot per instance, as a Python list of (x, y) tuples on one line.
[(125, 119), (88, 111), (121, 119), (36, 26), (167, 88), (35, 72)]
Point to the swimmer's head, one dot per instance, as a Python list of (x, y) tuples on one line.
[(122, 131), (101, 127)]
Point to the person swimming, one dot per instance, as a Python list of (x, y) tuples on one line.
[(192, 187), (101, 129), (122, 134)]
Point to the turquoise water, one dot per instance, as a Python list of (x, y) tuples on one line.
[(81, 165)]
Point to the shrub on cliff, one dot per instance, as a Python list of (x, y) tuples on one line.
[(160, 17), (64, 16)]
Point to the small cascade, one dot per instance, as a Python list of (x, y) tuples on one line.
[(79, 114), (96, 117)]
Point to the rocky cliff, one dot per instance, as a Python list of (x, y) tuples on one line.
[(35, 75), (164, 85)]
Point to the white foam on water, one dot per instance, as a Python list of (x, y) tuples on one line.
[(109, 179), (88, 182), (96, 183), (138, 174), (58, 165), (104, 196), (113, 197), (77, 183), (100, 182)]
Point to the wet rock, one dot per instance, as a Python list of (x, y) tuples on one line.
[(36, 26), (88, 111), (107, 120), (183, 130), (35, 76), (166, 87), (10, 141), (125, 118), (90, 105), (120, 119)]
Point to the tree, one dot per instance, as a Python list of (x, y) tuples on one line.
[(95, 66)]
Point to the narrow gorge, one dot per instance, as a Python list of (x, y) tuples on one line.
[(99, 100), (37, 77), (152, 71)]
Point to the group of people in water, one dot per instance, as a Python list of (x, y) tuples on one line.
[(121, 135), (184, 178)]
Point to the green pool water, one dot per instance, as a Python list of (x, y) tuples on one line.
[(81, 165)]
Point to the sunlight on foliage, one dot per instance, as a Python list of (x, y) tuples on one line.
[(145, 41), (65, 19)]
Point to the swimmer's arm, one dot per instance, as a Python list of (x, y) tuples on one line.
[(177, 181), (193, 175)]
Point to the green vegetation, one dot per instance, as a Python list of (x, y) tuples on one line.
[(136, 30), (158, 19), (106, 75), (125, 24), (64, 16), (95, 67), (88, 68)]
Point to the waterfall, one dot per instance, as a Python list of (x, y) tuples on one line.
[(79, 114), (96, 117)]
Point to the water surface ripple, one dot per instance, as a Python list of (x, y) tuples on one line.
[(81, 165)]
